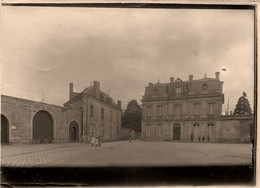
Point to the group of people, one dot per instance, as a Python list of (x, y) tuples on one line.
[(96, 141)]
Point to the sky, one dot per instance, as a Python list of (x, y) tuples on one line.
[(46, 48)]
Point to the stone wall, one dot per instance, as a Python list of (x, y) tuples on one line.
[(223, 129), (20, 114)]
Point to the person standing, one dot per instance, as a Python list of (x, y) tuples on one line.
[(96, 141), (99, 141)]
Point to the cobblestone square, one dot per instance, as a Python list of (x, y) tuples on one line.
[(123, 153)]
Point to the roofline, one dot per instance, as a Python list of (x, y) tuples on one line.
[(27, 100), (80, 95), (188, 81), (115, 106)]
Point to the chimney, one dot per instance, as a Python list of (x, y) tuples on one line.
[(171, 79), (70, 90), (96, 85), (217, 75), (119, 104), (191, 77), (150, 84)]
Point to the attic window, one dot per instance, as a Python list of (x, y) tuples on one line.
[(101, 96)]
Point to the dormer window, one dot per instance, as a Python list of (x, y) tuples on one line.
[(101, 97)]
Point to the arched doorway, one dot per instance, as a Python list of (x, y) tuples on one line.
[(74, 132), (4, 130), (42, 127)]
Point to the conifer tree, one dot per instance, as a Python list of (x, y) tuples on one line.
[(132, 116), (243, 106)]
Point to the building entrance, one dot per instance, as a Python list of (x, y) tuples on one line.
[(74, 132), (4, 130), (42, 127), (176, 132)]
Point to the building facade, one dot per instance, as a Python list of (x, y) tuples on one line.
[(91, 112), (95, 112), (190, 111)]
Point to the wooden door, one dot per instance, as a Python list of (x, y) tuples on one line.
[(42, 127), (176, 133), (74, 132)]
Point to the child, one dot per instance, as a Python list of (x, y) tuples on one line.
[(96, 141), (99, 141)]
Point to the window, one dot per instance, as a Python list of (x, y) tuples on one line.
[(101, 96), (117, 117), (196, 109), (196, 124), (110, 131), (177, 110), (102, 113), (148, 130), (178, 90), (210, 124), (159, 110), (211, 110), (91, 111), (149, 111), (117, 130), (111, 116), (159, 133)]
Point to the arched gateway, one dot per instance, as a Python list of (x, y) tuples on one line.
[(42, 127), (4, 130), (74, 132)]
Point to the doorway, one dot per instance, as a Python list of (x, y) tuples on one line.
[(4, 130), (74, 132), (42, 127), (176, 132)]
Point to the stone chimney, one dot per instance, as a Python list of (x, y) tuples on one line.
[(217, 75), (119, 104), (171, 79), (96, 85), (150, 84), (70, 90), (191, 77)]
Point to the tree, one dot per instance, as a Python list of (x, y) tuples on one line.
[(132, 116), (243, 106)]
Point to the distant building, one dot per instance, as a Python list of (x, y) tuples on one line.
[(190, 111), (91, 112)]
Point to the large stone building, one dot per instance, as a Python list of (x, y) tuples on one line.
[(91, 112), (190, 111)]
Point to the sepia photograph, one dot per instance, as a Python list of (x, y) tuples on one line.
[(128, 94)]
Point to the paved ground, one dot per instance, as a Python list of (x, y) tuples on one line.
[(122, 153)]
